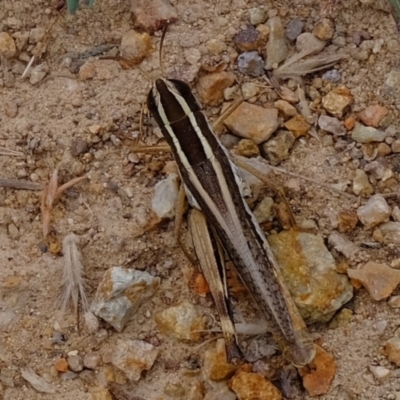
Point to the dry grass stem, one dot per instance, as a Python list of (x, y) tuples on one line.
[(20, 184), (73, 283), (50, 194)]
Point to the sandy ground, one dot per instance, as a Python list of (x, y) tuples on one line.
[(111, 209)]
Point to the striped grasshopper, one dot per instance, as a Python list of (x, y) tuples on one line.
[(212, 182)]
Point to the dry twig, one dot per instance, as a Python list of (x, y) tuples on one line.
[(73, 283), (50, 194)]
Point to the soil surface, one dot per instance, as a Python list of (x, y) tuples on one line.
[(111, 210)]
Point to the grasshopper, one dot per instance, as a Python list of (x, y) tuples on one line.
[(212, 182)]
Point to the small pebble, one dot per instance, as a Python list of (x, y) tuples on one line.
[(394, 302), (61, 365), (250, 386), (192, 55), (331, 76), (396, 146), (135, 46), (215, 46), (250, 63), (361, 185), (372, 115), (309, 44), (182, 321), (247, 148), (396, 213), (210, 87), (375, 211), (257, 15), (342, 318), (392, 350), (165, 197), (324, 29), (78, 146), (92, 360), (294, 28), (298, 126), (376, 169), (253, 122), (347, 221), (216, 366), (379, 372), (250, 89), (75, 363), (13, 231), (248, 39), (7, 46), (343, 245), (11, 109), (317, 380), (285, 108), (379, 279), (331, 125), (264, 210), (278, 148), (153, 15), (337, 101), (388, 232), (133, 357), (119, 294), (174, 389), (38, 73)]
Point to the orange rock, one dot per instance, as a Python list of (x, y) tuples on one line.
[(211, 87), (318, 378), (298, 126), (337, 101), (349, 123), (61, 365), (392, 350), (372, 115), (198, 284), (250, 386), (347, 221), (379, 279), (216, 366)]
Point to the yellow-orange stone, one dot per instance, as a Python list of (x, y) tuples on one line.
[(298, 126), (216, 367), (317, 379), (61, 365), (250, 386)]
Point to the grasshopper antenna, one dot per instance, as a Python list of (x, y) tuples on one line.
[(160, 51)]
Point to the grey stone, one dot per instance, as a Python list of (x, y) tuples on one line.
[(133, 356), (120, 293), (278, 148), (165, 197), (277, 48), (294, 28), (375, 211), (331, 125), (250, 63), (367, 134)]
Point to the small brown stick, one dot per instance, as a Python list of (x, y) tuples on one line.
[(20, 184)]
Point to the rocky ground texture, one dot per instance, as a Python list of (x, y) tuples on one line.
[(322, 123)]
